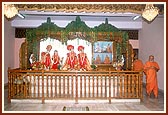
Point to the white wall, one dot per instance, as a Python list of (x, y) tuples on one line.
[(151, 42), (9, 37)]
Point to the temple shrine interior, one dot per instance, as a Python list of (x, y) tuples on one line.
[(82, 52)]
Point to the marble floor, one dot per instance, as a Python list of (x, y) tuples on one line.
[(148, 105)]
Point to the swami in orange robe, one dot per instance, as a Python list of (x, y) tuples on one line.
[(150, 69), (138, 65)]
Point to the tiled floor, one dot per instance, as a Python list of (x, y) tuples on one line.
[(148, 105)]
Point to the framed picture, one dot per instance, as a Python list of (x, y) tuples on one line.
[(102, 52)]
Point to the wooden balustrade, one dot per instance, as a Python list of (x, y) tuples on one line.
[(40, 84)]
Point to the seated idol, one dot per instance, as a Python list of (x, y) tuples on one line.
[(107, 60), (56, 60), (46, 58), (98, 60), (71, 60), (83, 62)]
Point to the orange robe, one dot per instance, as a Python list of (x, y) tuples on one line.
[(107, 60), (138, 65), (98, 60), (150, 69)]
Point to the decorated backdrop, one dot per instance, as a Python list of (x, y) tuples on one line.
[(78, 29)]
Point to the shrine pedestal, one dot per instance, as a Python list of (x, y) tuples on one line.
[(105, 67)]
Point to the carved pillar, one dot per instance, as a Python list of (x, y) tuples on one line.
[(129, 56), (132, 58), (23, 56)]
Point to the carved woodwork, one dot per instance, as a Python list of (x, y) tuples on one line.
[(74, 85), (111, 7), (23, 56)]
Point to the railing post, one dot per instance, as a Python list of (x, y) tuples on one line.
[(141, 85), (76, 98), (109, 87), (43, 87)]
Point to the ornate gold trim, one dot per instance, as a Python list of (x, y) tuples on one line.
[(88, 8)]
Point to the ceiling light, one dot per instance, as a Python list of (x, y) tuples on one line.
[(150, 12), (21, 15), (10, 10), (136, 17)]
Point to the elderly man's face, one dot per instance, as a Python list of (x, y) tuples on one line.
[(151, 58)]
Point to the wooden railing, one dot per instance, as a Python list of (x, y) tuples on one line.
[(40, 84)]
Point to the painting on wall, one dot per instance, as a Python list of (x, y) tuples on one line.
[(103, 52)]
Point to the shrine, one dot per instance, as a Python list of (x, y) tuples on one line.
[(72, 72)]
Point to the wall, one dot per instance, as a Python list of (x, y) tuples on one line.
[(8, 42), (151, 41)]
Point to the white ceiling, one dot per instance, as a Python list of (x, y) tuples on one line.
[(120, 20), (31, 15), (37, 15)]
